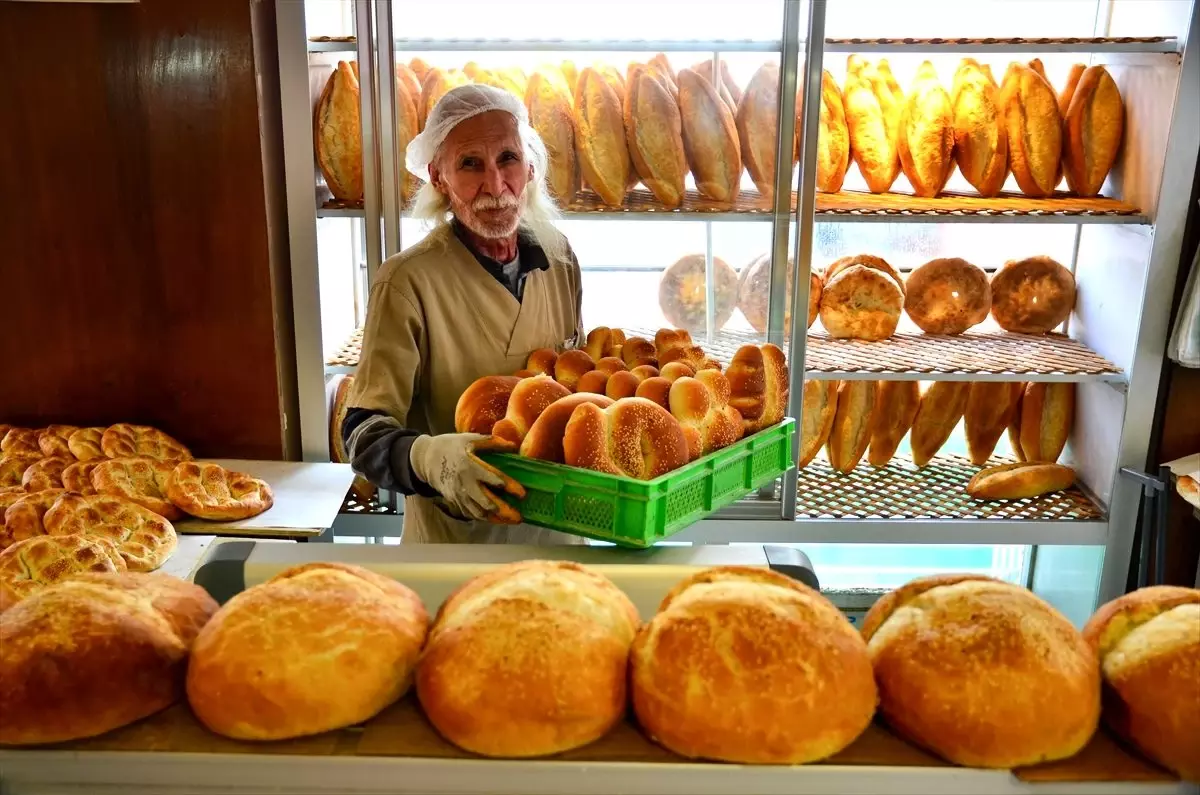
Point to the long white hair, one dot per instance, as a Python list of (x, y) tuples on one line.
[(538, 214)]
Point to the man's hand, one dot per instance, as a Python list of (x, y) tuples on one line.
[(449, 464)]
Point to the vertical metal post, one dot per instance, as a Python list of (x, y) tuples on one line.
[(389, 155), (788, 71), (370, 145), (806, 203), (710, 298), (1066, 326)]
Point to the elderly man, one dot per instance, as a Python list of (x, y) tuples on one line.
[(493, 281)]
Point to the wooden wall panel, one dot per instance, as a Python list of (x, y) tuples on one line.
[(136, 276)]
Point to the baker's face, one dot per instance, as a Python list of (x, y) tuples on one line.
[(481, 168)]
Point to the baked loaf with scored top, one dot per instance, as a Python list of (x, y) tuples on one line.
[(143, 538), (545, 438), (861, 303), (683, 294), (549, 102), (981, 672), (758, 382), (26, 517), (21, 441), (896, 404), (947, 296), (1047, 418), (941, 407), (85, 443), (52, 442), (867, 261), (337, 131), (816, 422), (980, 129), (529, 399), (483, 403), (738, 665), (874, 103), (209, 491), (634, 438), (701, 404), (28, 566), (991, 408), (317, 647), (731, 93), (654, 133), (1032, 296), (1019, 481), (1148, 643), (94, 653), (710, 137), (1093, 126), (600, 136), (1034, 130), (926, 140), (758, 127), (140, 480), (852, 424), (78, 476), (124, 440), (528, 659), (45, 473), (833, 138)]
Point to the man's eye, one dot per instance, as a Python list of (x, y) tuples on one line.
[(510, 157), (469, 163)]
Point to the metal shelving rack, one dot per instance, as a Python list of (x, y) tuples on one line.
[(1144, 228)]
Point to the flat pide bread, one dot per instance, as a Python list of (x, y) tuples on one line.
[(84, 444), (124, 440), (209, 491), (143, 538), (140, 480)]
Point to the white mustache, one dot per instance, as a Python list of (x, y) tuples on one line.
[(505, 202)]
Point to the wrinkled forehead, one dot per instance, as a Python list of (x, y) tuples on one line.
[(493, 131)]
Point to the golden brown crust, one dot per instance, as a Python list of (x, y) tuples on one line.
[(728, 90), (634, 437), (637, 351), (21, 441), (947, 296), (143, 538), (926, 140), (1047, 419), (124, 440), (1033, 295), (833, 138), (139, 480), (991, 408), (982, 672), (209, 491), (542, 361), (25, 517), (683, 296), (84, 444), (816, 422), (337, 129), (78, 476), (603, 342), (1034, 130), (1019, 481), (63, 651), (852, 424), (657, 390), (758, 381), (45, 474), (873, 104), (896, 405), (52, 442), (550, 113), (1093, 128), (600, 137), (35, 563), (941, 407), (868, 261), (610, 364), (528, 659), (710, 138), (653, 132), (700, 402), (980, 131), (570, 367), (757, 123), (529, 399), (545, 438), (731, 666), (861, 303), (484, 403), (315, 648), (13, 466), (1068, 91)]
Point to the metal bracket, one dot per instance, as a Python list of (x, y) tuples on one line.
[(1155, 500)]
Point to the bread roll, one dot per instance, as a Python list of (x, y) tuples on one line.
[(528, 659), (644, 371), (852, 424), (657, 390), (545, 438), (36, 563), (758, 128), (758, 381), (1033, 295), (861, 303), (981, 672), (603, 342), (701, 404), (867, 261), (600, 137), (94, 653), (896, 404), (1148, 643), (621, 384), (947, 296), (654, 133), (337, 131), (552, 116), (21, 441), (991, 407), (530, 397), (926, 141), (1034, 130), (674, 370), (980, 130), (638, 351), (633, 438), (1093, 127), (683, 295), (1047, 419), (1019, 481), (78, 476), (666, 339), (317, 647), (571, 366), (595, 382), (833, 137), (610, 365), (738, 665), (874, 104), (710, 138), (541, 362), (816, 419), (483, 403), (941, 407)]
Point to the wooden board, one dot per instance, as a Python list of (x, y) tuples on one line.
[(307, 499), (402, 730)]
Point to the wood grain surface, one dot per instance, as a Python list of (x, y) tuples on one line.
[(136, 275)]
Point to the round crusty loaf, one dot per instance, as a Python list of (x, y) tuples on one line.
[(528, 659), (93, 653), (981, 672), (683, 297), (1032, 296), (1148, 642), (545, 438), (861, 303), (754, 290), (483, 403), (747, 665), (315, 648), (947, 296), (867, 261)]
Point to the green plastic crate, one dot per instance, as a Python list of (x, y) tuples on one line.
[(638, 513)]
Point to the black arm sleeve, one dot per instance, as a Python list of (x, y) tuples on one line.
[(378, 447)]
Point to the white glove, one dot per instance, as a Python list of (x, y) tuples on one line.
[(449, 465)]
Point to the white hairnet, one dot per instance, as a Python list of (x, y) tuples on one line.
[(460, 104)]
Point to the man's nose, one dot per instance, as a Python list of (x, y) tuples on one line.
[(493, 180)]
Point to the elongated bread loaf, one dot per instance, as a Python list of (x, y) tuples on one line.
[(941, 407), (991, 408), (817, 415), (600, 136), (710, 138), (337, 129), (873, 105), (1094, 125), (852, 424), (435, 86), (730, 93), (833, 138), (926, 142), (758, 127), (550, 113), (895, 409), (1068, 91), (1047, 418), (980, 131), (1034, 130), (1019, 481), (654, 133)]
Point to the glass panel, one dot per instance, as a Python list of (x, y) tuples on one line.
[(950, 18), (336, 262), (329, 18)]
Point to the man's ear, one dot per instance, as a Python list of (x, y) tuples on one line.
[(435, 178), (531, 172)]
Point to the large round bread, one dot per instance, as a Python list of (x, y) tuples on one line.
[(633, 437), (143, 538), (747, 665), (861, 303), (31, 565), (94, 653), (683, 297), (1033, 295), (1148, 643), (545, 438), (528, 659), (982, 672), (315, 648), (947, 296), (867, 261), (483, 403)]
